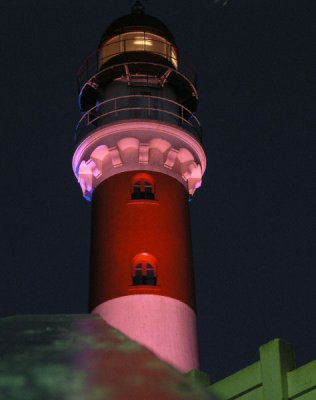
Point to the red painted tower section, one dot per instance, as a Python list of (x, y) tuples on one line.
[(155, 230), (139, 159)]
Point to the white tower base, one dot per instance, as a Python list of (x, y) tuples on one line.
[(164, 325)]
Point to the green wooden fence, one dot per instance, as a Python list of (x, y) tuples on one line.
[(273, 377)]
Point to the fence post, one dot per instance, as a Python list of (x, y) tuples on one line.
[(276, 359)]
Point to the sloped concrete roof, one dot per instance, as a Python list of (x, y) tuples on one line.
[(80, 357)]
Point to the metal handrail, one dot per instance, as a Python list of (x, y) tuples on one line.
[(97, 60), (106, 70), (91, 116), (90, 66)]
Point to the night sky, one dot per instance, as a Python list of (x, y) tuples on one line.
[(253, 220)]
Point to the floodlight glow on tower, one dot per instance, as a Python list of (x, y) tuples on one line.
[(138, 160)]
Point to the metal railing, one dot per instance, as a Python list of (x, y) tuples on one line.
[(92, 64), (120, 70), (138, 106)]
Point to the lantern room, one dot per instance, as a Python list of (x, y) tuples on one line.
[(137, 33), (136, 73)]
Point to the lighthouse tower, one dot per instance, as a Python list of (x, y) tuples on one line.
[(139, 160)]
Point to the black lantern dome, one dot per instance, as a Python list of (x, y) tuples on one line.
[(137, 36), (137, 20)]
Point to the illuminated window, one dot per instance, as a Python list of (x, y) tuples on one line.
[(143, 187), (138, 41), (144, 270)]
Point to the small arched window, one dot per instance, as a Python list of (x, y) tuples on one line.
[(143, 187), (144, 270)]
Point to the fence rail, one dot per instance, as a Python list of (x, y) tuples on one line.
[(138, 106)]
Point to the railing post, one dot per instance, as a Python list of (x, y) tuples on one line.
[(115, 107), (148, 106), (276, 359), (87, 69)]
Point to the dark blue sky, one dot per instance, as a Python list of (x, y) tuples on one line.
[(253, 220)]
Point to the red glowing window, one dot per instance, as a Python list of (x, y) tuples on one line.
[(144, 270), (143, 187)]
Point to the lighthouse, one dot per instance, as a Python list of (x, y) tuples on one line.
[(139, 160)]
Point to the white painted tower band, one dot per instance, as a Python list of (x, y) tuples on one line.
[(164, 325)]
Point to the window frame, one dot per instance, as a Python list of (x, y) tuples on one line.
[(143, 187), (142, 264), (124, 42)]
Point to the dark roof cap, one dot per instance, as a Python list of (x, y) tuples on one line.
[(137, 20)]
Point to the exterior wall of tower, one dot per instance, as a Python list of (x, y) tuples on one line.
[(164, 325), (140, 98), (122, 228), (139, 158), (145, 86)]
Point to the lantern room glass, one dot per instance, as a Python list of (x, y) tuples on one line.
[(138, 41)]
